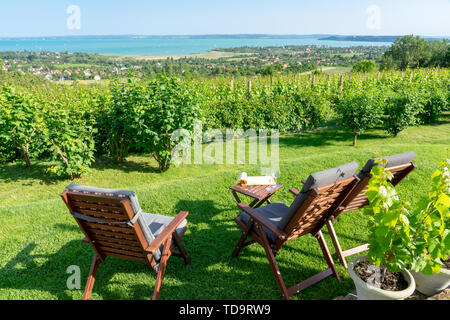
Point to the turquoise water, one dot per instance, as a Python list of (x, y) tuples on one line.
[(159, 47)]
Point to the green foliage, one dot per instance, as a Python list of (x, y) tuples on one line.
[(364, 66), (20, 123), (404, 239), (390, 244), (121, 118), (415, 52), (358, 112), (431, 224), (168, 106), (127, 116), (401, 111)]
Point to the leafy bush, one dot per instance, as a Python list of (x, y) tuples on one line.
[(401, 238), (435, 102), (121, 119), (364, 66), (70, 135), (431, 224), (401, 111), (20, 124), (167, 106), (359, 112)]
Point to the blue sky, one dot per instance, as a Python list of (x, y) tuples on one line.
[(101, 17)]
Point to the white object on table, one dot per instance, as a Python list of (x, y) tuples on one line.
[(244, 179)]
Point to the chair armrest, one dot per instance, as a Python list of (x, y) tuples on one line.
[(262, 220), (294, 191), (171, 228)]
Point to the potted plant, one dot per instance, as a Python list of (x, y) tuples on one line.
[(383, 274), (402, 239), (431, 220)]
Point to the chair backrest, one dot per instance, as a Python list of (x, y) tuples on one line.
[(400, 165), (111, 221), (322, 192)]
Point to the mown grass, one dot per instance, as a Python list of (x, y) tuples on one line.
[(40, 240)]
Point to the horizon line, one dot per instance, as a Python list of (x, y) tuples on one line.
[(224, 34)]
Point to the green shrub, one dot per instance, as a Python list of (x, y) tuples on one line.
[(359, 112), (364, 66), (402, 110), (20, 124), (70, 136), (121, 118), (168, 105), (401, 238)]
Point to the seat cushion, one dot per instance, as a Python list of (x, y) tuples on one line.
[(131, 195), (156, 223), (274, 212), (392, 161)]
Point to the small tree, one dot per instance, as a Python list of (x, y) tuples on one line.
[(358, 113), (431, 224), (168, 106), (120, 119), (401, 111), (21, 123), (365, 66), (70, 134), (401, 238)]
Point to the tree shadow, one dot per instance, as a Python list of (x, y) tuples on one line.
[(19, 172), (325, 137), (105, 163)]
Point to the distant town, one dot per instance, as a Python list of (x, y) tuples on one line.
[(243, 61)]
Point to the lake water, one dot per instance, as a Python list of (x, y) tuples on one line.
[(160, 47)]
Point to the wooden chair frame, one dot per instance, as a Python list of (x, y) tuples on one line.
[(310, 217), (357, 199), (115, 238)]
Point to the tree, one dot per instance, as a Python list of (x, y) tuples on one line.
[(365, 66), (168, 106), (20, 122), (401, 111), (415, 52), (358, 113)]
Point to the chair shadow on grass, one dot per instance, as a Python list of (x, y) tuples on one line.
[(23, 272), (214, 274), (213, 246)]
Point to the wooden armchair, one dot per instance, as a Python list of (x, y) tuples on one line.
[(400, 165), (273, 225), (114, 224)]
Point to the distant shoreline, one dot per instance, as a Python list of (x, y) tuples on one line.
[(370, 38), (211, 54)]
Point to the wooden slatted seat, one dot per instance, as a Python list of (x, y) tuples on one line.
[(114, 224), (273, 225)]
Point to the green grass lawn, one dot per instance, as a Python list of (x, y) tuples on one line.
[(40, 240)]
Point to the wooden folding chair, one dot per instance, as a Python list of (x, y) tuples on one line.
[(114, 224), (275, 224), (399, 165)]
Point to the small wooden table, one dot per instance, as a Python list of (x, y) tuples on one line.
[(260, 194)]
